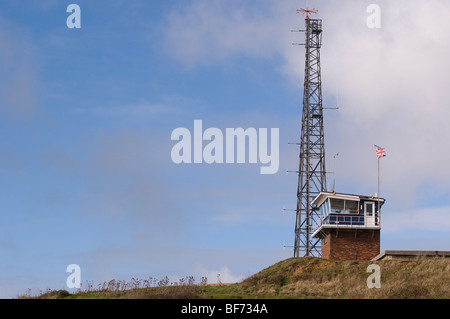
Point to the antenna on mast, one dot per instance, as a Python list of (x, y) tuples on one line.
[(334, 171), (307, 12)]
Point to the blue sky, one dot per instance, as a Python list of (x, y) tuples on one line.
[(86, 117)]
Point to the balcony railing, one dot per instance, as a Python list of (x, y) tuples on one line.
[(341, 220), (350, 220)]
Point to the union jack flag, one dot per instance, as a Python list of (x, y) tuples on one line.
[(380, 152)]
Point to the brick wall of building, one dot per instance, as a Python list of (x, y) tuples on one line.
[(351, 244)]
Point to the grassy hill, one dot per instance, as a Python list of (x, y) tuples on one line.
[(301, 278)]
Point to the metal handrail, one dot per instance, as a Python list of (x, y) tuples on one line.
[(341, 219)]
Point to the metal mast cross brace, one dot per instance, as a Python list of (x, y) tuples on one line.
[(311, 173)]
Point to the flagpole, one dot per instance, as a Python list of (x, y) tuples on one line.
[(379, 208), (379, 196)]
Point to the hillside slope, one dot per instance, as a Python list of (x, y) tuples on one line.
[(308, 278), (320, 278)]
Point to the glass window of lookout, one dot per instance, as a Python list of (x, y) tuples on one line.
[(339, 206)]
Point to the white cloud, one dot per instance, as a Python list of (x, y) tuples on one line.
[(224, 274), (435, 219), (207, 32), (393, 88)]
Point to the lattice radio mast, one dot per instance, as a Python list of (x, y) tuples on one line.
[(311, 173)]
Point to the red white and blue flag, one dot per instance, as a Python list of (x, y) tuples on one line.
[(380, 152)]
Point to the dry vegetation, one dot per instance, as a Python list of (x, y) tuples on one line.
[(319, 278), (292, 278)]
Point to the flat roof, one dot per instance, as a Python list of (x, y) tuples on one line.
[(323, 196), (412, 253)]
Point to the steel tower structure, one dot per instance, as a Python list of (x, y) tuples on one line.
[(311, 173)]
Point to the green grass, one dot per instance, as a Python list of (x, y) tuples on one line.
[(294, 278)]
